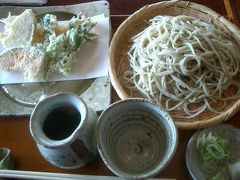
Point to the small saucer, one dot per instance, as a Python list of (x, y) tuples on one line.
[(194, 161)]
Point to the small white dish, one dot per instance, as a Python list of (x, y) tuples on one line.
[(194, 161)]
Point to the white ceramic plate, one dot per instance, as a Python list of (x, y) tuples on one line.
[(194, 161)]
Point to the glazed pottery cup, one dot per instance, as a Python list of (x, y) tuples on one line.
[(136, 138), (63, 129)]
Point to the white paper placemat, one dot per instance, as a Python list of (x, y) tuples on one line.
[(92, 58)]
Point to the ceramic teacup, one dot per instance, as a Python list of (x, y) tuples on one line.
[(62, 126), (136, 138)]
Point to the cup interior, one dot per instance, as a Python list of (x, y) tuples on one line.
[(136, 139)]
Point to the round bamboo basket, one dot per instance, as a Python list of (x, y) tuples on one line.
[(135, 23)]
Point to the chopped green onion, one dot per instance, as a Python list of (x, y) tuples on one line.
[(213, 149)]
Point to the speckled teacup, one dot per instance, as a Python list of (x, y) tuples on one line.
[(136, 138)]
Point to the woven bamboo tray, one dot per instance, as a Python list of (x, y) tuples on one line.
[(135, 23)]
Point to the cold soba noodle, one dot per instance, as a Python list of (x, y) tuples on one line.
[(180, 61)]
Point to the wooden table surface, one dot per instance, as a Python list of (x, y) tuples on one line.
[(14, 131)]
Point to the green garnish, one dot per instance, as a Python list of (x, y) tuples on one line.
[(214, 151), (217, 176)]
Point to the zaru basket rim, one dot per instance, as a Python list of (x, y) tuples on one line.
[(116, 62)]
